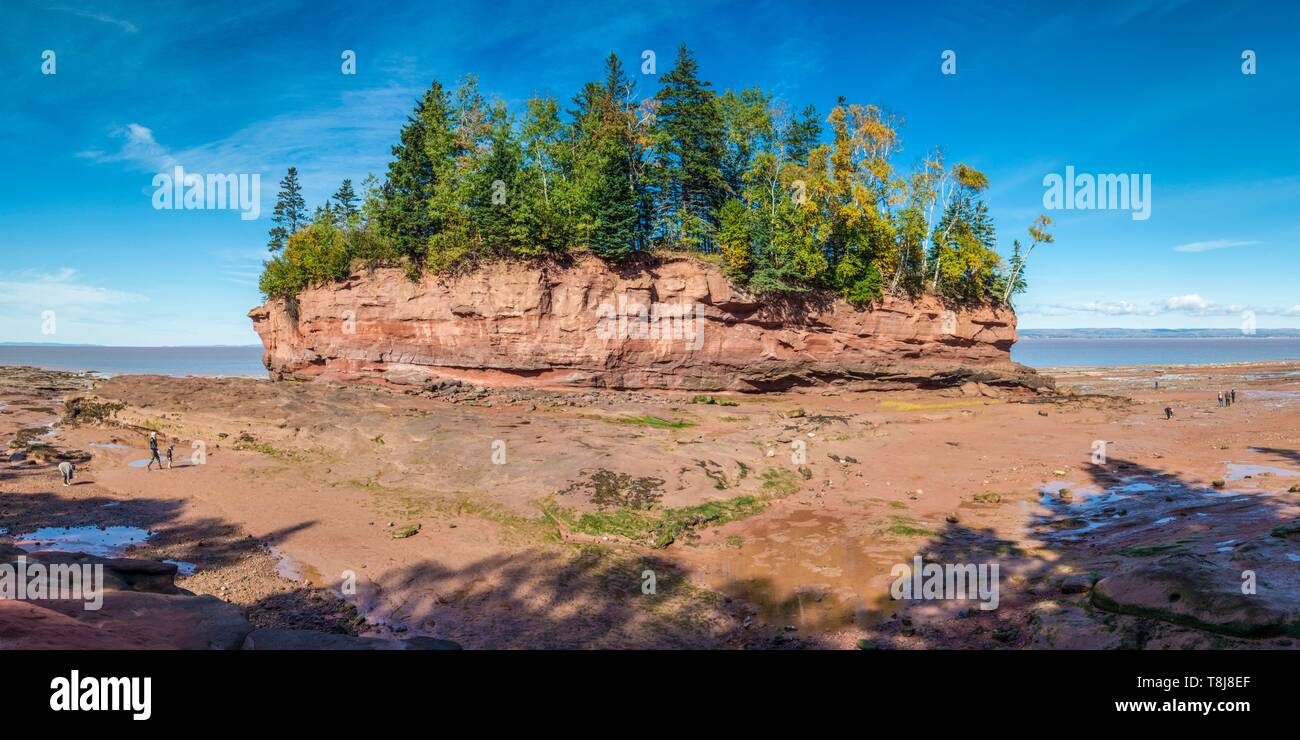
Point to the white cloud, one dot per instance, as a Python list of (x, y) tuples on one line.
[(139, 147), (1191, 304), (1116, 308), (1216, 244), (127, 26), (60, 290)]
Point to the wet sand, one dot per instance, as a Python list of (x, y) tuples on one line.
[(501, 518)]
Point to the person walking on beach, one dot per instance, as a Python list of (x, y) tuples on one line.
[(1220, 398), (153, 452), (170, 450), (67, 469), (1234, 395), (1169, 413)]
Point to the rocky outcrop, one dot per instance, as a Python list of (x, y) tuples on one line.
[(1189, 590), (678, 323), (142, 608)]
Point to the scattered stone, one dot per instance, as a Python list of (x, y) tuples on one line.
[(405, 532), (1076, 584)]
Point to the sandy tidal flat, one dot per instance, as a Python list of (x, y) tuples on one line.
[(512, 518)]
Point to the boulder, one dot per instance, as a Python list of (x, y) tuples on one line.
[(1190, 590)]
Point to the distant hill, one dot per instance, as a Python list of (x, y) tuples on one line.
[(1153, 333)]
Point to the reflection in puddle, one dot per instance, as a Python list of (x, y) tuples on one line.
[(107, 542), (811, 570), (1240, 471), (295, 570), (183, 568)]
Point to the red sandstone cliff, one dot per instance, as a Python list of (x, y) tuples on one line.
[(590, 325)]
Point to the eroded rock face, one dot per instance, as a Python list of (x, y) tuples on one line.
[(587, 324)]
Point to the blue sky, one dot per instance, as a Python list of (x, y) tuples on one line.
[(1147, 87)]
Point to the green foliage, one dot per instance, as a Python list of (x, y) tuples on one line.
[(290, 211), (345, 203), (414, 196), (790, 203), (690, 138)]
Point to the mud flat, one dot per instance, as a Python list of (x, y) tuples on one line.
[(499, 517)]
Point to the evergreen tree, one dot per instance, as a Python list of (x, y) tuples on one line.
[(290, 211), (607, 165), (691, 137), (801, 135), (613, 207), (419, 173), (345, 201), (494, 187)]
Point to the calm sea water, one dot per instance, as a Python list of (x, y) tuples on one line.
[(1032, 351), (177, 361), (1068, 352)]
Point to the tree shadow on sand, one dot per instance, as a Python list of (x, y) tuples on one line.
[(1178, 549)]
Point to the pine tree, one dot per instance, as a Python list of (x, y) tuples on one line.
[(345, 201), (290, 211), (692, 136), (613, 207), (494, 187), (419, 173), (801, 135), (607, 165)]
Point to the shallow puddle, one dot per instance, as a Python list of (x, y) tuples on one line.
[(107, 542), (1241, 471), (296, 571), (807, 570), (183, 568)]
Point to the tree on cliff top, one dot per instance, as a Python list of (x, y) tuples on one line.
[(691, 143), (345, 202), (788, 209), (419, 176), (290, 211)]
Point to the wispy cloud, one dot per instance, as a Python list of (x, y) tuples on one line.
[(1191, 304), (60, 290), (1216, 244), (126, 26), (348, 139), (139, 148)]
